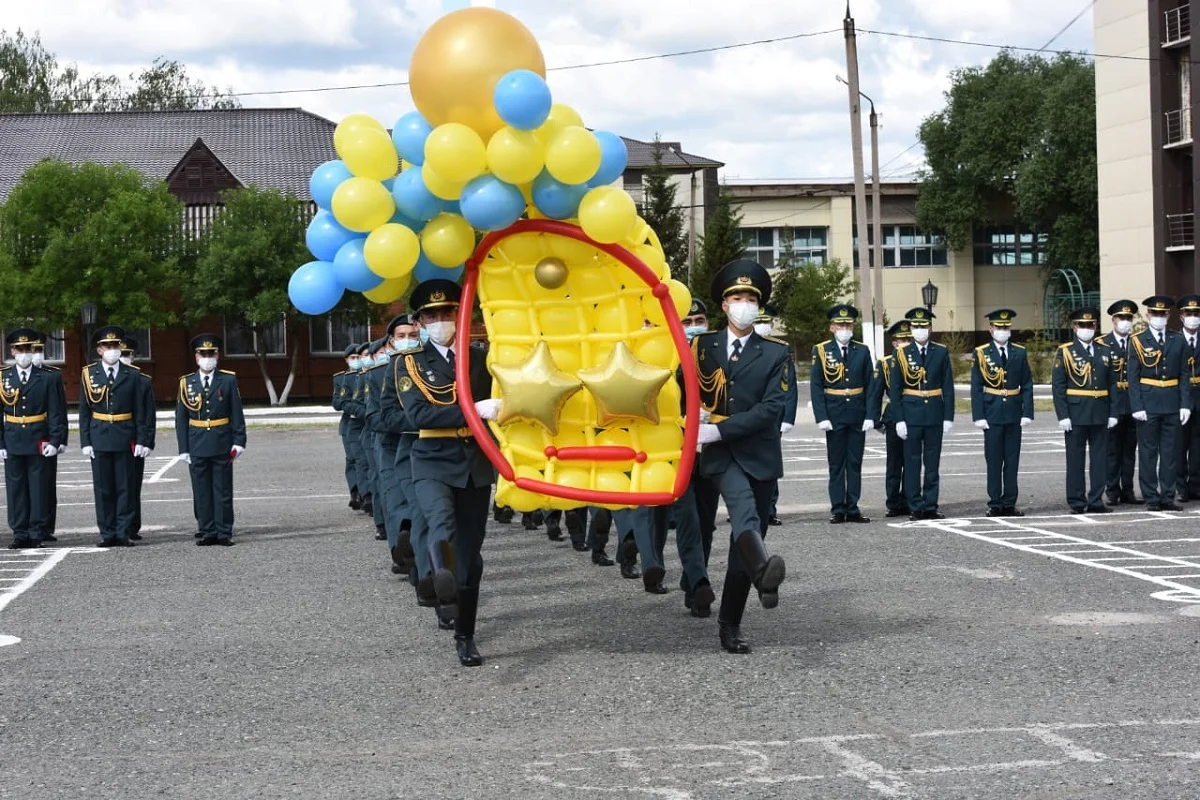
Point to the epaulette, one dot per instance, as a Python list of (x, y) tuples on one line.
[(51, 368), (822, 344), (8, 366), (339, 374), (1066, 346), (133, 367), (377, 366), (981, 348), (771, 338), (228, 372), (1018, 346)]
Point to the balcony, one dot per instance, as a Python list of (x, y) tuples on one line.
[(1178, 27), (1179, 127), (1181, 232)]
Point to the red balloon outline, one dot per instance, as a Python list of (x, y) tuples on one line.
[(691, 385)]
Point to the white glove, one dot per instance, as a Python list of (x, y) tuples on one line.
[(825, 425), (62, 448), (49, 450), (488, 409), (1184, 415), (1026, 421), (88, 451), (982, 424), (140, 451), (238, 450), (902, 430), (1112, 422), (1140, 416), (708, 434), (947, 426), (186, 457), (3, 455), (705, 416), (1064, 425), (784, 427), (867, 425)]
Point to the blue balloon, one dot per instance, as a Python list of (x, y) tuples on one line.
[(557, 200), (522, 99), (413, 199), (325, 236), (325, 179), (351, 268), (416, 226), (452, 207), (614, 157), (426, 270), (409, 137), (314, 288), (490, 204)]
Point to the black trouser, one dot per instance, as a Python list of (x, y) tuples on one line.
[(50, 490), (1122, 457), (894, 480), (1079, 440), (460, 517), (1002, 453), (707, 498), (923, 447), (749, 504), (139, 477), (24, 484), (1158, 454), (112, 484), (844, 453), (212, 492), (1188, 482)]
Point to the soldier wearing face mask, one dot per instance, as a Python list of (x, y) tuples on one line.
[(880, 414), (1001, 405), (1122, 439), (354, 431), (372, 382), (128, 351), (341, 394), (1160, 395), (210, 430), (1188, 482), (115, 428), (50, 520)]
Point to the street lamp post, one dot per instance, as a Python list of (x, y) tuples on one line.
[(929, 294), (87, 315)]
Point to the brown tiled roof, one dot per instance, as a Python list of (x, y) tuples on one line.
[(641, 156)]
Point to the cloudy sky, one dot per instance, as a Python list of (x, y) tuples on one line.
[(770, 111)]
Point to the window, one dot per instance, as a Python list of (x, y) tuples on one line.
[(906, 246), (142, 337), (1008, 245), (331, 334), (54, 351), (241, 340), (770, 246)]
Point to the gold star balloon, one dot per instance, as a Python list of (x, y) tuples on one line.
[(534, 391), (624, 387)]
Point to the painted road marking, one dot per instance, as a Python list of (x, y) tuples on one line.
[(32, 574), (158, 476)]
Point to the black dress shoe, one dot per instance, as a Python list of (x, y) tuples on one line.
[(124, 543), (22, 544), (837, 519), (774, 520), (1132, 499), (916, 516), (731, 639), (207, 541), (1168, 507), (554, 533), (1182, 497), (629, 569), (398, 569), (380, 533), (859, 518), (1099, 510), (1012, 511), (197, 535), (527, 522), (897, 512), (1078, 510), (652, 577), (445, 617), (137, 537), (226, 542), (110, 543), (50, 537), (468, 653), (368, 508), (932, 515), (601, 559), (1151, 507), (702, 600), (1113, 499), (996, 512)]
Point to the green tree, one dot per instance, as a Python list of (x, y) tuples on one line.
[(802, 295), (74, 233), (166, 86), (1020, 131), (247, 256), (660, 210), (721, 244)]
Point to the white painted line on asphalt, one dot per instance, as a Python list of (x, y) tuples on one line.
[(157, 476), (13, 592)]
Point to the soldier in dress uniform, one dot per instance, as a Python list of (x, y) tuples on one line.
[(763, 326), (341, 394), (452, 478), (362, 461), (210, 430), (921, 393), (744, 385), (1122, 440), (35, 426), (1160, 396), (1187, 486), (377, 356), (707, 496), (1084, 384), (838, 382), (879, 411), (50, 467), (115, 429), (401, 337), (128, 352), (1001, 405)]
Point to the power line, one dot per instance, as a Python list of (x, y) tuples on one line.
[(1089, 5), (896, 157), (994, 46)]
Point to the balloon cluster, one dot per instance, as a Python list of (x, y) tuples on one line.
[(486, 146)]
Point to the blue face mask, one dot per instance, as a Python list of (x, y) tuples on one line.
[(424, 336), (405, 344), (353, 363), (694, 331), (382, 359)]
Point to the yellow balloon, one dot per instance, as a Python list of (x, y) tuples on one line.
[(681, 299), (455, 152), (657, 349), (392, 250), (610, 480), (607, 214), (440, 186), (458, 62), (369, 153), (448, 240), (574, 477), (621, 315), (655, 477), (561, 116), (362, 204), (573, 155), (354, 124), (515, 156), (391, 290)]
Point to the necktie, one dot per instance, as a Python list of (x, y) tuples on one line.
[(24, 377), (922, 356), (1158, 338), (1088, 347), (1004, 358), (450, 358), (843, 353), (1124, 344), (1192, 342), (112, 374), (737, 349), (207, 378)]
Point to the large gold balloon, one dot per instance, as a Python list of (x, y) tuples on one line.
[(624, 387), (458, 62), (535, 391), (550, 273)]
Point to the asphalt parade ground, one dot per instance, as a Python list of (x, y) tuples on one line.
[(1049, 656)]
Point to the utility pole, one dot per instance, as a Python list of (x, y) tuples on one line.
[(860, 190)]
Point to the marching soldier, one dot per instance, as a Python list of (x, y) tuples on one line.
[(452, 478), (743, 384), (341, 394), (115, 427), (210, 430), (128, 351), (362, 462), (1085, 400), (763, 325), (1160, 395), (1188, 482), (377, 356), (707, 496), (1001, 405), (50, 467), (921, 393), (838, 382), (34, 427), (879, 411), (1122, 439), (401, 337)]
